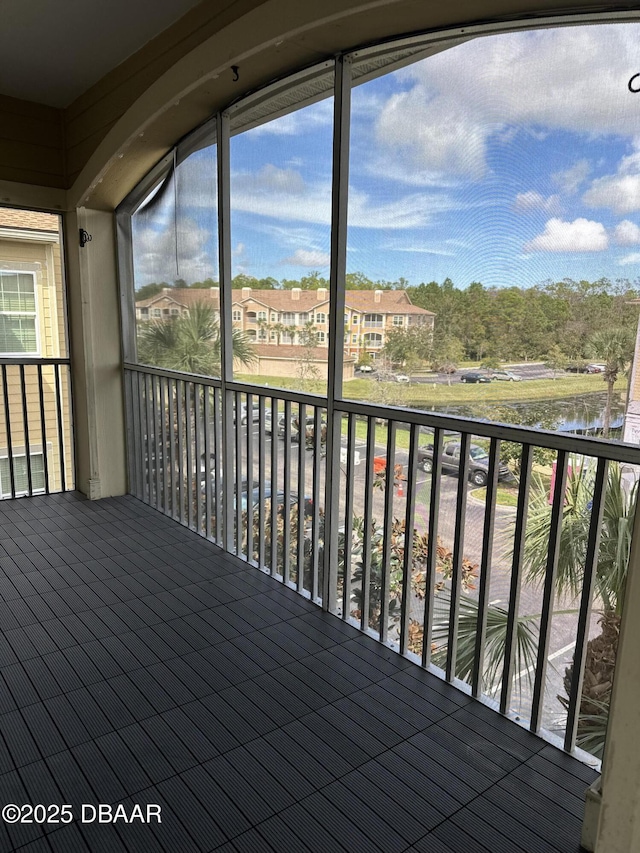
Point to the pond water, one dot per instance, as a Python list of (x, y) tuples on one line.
[(581, 415)]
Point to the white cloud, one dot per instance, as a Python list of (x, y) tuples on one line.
[(581, 235), (626, 233), (570, 180), (569, 78), (619, 192), (300, 121), (154, 253), (308, 258), (533, 200), (282, 194), (633, 258)]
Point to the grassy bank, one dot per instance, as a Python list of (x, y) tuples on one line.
[(428, 394)]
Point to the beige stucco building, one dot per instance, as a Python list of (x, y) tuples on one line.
[(32, 327)]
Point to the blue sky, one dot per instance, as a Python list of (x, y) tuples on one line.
[(507, 160)]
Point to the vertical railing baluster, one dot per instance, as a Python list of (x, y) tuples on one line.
[(188, 441), (432, 546), (286, 527), (163, 441), (43, 431), (179, 414), (302, 448), (149, 434), (173, 427), (348, 515), (409, 524), (551, 573), (128, 398), (197, 405), (138, 450), (205, 475), (237, 491), (25, 422), (485, 566), (61, 442), (217, 464), (458, 544), (261, 474), (155, 382), (7, 421), (516, 571), (584, 615), (316, 564), (250, 483), (368, 532), (389, 478), (274, 488)]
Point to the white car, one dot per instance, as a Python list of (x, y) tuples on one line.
[(402, 377), (506, 376), (365, 368)]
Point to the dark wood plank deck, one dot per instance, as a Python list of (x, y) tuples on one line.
[(139, 664)]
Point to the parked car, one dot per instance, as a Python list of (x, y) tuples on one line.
[(478, 462), (402, 377), (255, 413), (506, 376), (475, 377), (596, 368), (365, 368)]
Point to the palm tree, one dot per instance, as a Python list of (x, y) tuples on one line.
[(191, 343), (615, 349), (610, 579)]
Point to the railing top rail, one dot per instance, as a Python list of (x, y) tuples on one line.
[(243, 387), (26, 361), (597, 447)]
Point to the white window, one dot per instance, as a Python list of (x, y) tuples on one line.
[(174, 312), (274, 317), (355, 320), (18, 321), (272, 336), (262, 334), (321, 318), (262, 316), (289, 318), (237, 315), (398, 320), (372, 339), (144, 312), (21, 475), (156, 312), (354, 339), (321, 337)]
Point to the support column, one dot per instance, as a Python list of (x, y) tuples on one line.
[(94, 333), (619, 822)]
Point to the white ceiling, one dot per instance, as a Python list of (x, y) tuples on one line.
[(51, 51)]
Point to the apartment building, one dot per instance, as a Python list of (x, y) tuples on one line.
[(282, 317), (34, 396)]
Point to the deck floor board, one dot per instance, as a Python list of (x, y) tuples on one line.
[(141, 665)]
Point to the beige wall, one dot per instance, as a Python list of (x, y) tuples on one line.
[(41, 255)]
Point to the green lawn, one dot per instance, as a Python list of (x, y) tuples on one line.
[(419, 395), (504, 496)]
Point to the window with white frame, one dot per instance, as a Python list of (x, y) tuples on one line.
[(21, 475), (398, 320), (262, 316), (18, 315), (274, 317), (321, 337), (237, 315), (321, 318)]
